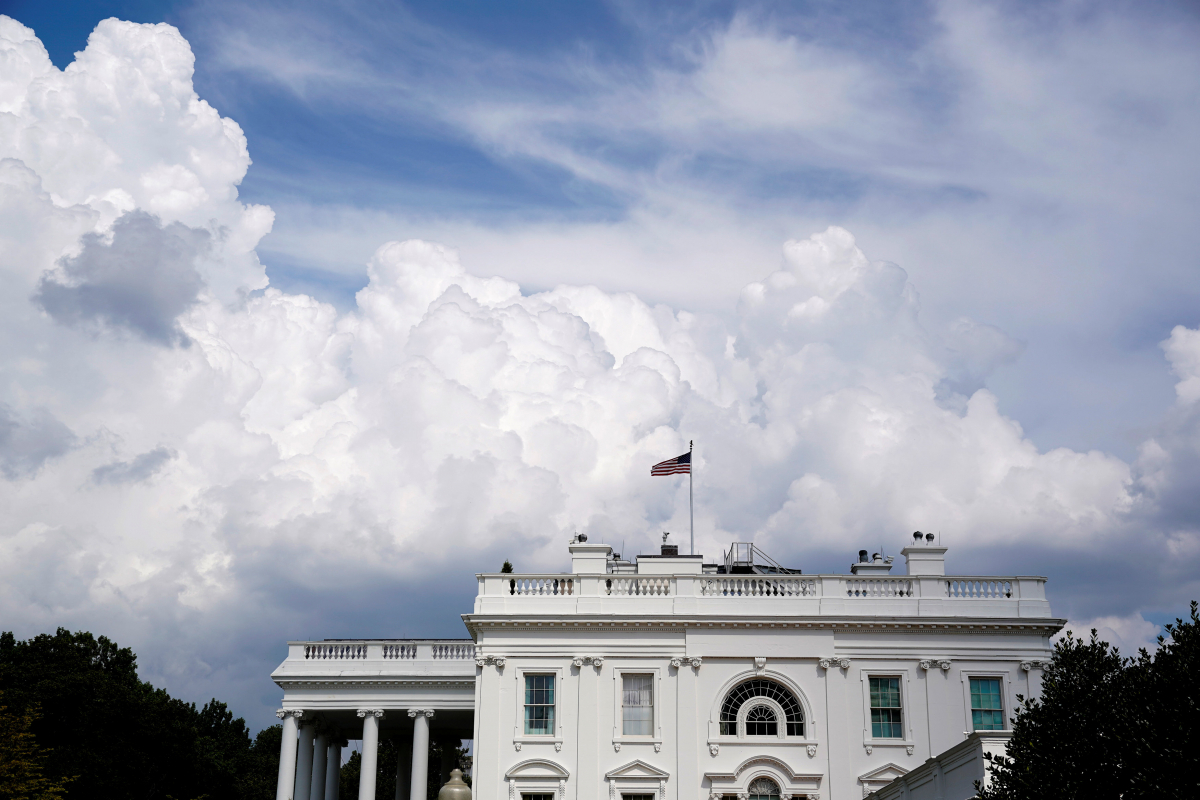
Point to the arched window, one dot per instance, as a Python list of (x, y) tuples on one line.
[(764, 789), (760, 719)]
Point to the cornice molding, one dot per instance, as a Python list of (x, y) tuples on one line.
[(891, 626), (466, 683)]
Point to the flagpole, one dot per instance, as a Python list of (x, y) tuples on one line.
[(691, 511)]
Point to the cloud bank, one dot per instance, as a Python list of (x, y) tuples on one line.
[(297, 471)]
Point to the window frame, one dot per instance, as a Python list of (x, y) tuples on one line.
[(519, 735), (881, 687), (619, 736), (1006, 697), (780, 720), (753, 701), (811, 728), (778, 788), (906, 707)]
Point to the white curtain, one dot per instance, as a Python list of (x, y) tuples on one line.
[(637, 705)]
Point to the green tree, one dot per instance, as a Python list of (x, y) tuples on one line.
[(124, 738), (22, 762), (1106, 726), (260, 770)]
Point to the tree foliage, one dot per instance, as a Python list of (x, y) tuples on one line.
[(1107, 726), (122, 737), (22, 762), (444, 755)]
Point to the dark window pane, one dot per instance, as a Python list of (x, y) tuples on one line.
[(886, 715), (761, 687)]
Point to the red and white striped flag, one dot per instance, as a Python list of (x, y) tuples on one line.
[(680, 465)]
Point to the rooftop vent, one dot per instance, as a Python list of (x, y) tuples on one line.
[(877, 564)]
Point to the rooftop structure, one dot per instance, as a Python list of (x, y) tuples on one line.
[(668, 678)]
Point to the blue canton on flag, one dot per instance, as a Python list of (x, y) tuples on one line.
[(680, 465)]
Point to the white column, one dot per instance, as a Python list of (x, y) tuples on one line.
[(370, 752), (333, 771), (287, 754), (320, 761), (304, 761), (420, 753)]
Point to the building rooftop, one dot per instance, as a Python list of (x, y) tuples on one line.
[(679, 585)]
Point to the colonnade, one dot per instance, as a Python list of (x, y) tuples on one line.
[(310, 759)]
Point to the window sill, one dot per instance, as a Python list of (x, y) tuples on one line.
[(521, 741), (772, 740)]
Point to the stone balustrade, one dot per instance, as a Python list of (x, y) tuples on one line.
[(370, 649), (900, 595)]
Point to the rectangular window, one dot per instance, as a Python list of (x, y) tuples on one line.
[(637, 705), (638, 797), (886, 720), (539, 704), (531, 796), (987, 712)]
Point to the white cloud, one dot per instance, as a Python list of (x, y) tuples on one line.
[(1128, 634), (448, 420)]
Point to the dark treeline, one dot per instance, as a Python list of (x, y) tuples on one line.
[(101, 733), (75, 721), (1108, 727)]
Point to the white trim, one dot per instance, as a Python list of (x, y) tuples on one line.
[(519, 735), (880, 777), (1006, 696), (780, 719), (554, 782), (651, 780), (714, 713), (763, 766), (618, 715), (906, 707)]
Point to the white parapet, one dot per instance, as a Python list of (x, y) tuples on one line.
[(766, 595)]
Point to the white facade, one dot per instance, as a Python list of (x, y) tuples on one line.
[(951, 775), (798, 649)]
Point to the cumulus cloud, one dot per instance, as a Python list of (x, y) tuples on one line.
[(1128, 634), (318, 465), (29, 441), (141, 280)]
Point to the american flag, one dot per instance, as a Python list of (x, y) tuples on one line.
[(680, 465)]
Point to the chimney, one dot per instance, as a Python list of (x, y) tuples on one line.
[(922, 557), (670, 549), (589, 559)]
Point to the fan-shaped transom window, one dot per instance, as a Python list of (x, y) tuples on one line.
[(761, 721), (764, 789), (761, 718)]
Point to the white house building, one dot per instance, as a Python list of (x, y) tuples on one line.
[(671, 679)]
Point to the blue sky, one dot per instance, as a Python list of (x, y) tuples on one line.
[(1031, 167), (363, 124)]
